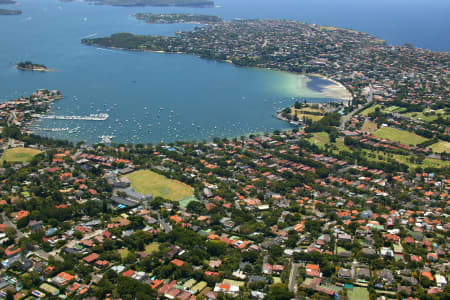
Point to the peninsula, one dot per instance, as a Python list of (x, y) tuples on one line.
[(177, 18), (29, 66), (10, 12), (360, 62), (181, 3)]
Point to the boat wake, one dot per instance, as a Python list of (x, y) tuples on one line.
[(112, 50), (89, 35)]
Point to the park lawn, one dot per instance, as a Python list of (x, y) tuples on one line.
[(19, 154), (336, 28), (320, 139), (340, 145), (427, 162), (310, 109), (314, 118), (148, 182), (394, 109), (441, 146), (116, 219), (369, 126), (185, 202), (370, 109), (151, 248), (340, 250), (276, 280), (303, 113), (123, 253), (358, 293), (425, 115), (400, 136)]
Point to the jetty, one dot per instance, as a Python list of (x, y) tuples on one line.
[(91, 117), (54, 129)]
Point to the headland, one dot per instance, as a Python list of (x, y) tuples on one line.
[(10, 12), (157, 3), (152, 18), (29, 66)]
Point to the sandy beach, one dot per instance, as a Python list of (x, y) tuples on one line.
[(336, 90)]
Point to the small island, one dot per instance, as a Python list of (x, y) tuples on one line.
[(181, 3), (9, 12), (177, 18), (29, 66)]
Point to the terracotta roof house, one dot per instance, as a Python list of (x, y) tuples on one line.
[(177, 262), (12, 251), (313, 270), (128, 273), (22, 214), (91, 258)]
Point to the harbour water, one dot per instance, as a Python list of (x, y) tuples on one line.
[(149, 97)]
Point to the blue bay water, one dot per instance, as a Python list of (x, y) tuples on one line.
[(154, 97)]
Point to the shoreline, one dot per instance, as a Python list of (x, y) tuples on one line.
[(347, 98), (328, 90), (35, 69)]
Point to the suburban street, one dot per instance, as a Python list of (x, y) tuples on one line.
[(347, 117), (8, 223), (293, 277)]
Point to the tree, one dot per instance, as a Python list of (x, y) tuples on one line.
[(278, 292), (250, 256), (129, 288), (196, 207), (157, 202), (425, 282), (9, 295), (216, 248), (276, 251)]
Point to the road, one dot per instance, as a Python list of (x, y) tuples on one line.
[(8, 223), (347, 117), (354, 265), (265, 258), (42, 254), (164, 225), (11, 118), (293, 277)]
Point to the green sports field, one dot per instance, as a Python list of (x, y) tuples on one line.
[(440, 147), (400, 136), (148, 182), (19, 154)]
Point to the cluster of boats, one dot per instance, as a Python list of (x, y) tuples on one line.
[(106, 139), (160, 123)]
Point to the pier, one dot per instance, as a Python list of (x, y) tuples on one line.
[(54, 129), (91, 117)]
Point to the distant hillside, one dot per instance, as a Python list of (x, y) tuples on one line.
[(7, 2), (9, 12), (186, 3)]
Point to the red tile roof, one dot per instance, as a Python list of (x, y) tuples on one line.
[(90, 258)]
